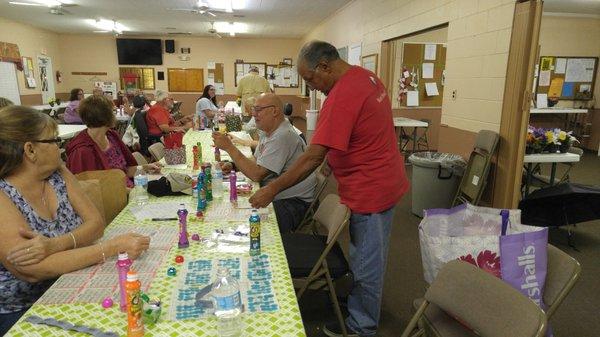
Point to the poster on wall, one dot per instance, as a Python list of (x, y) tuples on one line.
[(109, 88), (28, 72)]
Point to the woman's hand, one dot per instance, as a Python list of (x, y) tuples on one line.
[(34, 250), (153, 167), (132, 243)]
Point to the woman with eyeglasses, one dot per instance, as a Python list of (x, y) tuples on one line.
[(48, 226), (206, 106), (99, 147), (71, 116)]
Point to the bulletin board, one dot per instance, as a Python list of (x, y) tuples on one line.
[(282, 75), (414, 55), (242, 68), (186, 79), (216, 77), (567, 77)]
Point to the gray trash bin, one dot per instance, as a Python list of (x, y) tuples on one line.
[(435, 179)]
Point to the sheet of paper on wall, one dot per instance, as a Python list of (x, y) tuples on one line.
[(560, 66), (580, 70), (542, 101), (585, 88), (211, 65), (546, 63), (544, 79), (430, 50), (31, 82), (567, 89), (556, 86), (219, 88), (406, 74), (431, 89), (412, 98), (427, 70)]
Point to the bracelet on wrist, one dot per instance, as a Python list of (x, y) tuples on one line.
[(74, 241)]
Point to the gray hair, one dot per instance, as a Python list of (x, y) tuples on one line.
[(316, 51), (160, 95)]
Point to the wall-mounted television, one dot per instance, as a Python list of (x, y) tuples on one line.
[(140, 51)]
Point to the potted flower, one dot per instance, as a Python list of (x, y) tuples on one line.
[(552, 141), (532, 142), (566, 139)]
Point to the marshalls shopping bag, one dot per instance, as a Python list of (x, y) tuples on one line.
[(465, 232)]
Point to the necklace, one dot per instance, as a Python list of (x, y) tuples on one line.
[(44, 201)]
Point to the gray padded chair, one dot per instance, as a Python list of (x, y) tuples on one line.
[(480, 301)]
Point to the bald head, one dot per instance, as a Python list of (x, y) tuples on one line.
[(268, 112)]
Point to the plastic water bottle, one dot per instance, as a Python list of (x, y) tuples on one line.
[(217, 183), (141, 184), (228, 304), (232, 186), (123, 265), (254, 233)]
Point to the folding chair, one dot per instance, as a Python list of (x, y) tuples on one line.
[(114, 190), (476, 174), (322, 174), (563, 273), (317, 260), (423, 141), (157, 151), (139, 158), (463, 299)]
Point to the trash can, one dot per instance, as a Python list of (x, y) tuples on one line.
[(435, 179)]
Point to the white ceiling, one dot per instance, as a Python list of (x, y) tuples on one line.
[(264, 18), (590, 7)]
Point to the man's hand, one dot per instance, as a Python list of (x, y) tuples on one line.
[(262, 197), (222, 141)]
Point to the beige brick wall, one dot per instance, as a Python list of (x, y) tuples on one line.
[(477, 55)]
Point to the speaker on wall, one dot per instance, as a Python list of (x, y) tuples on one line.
[(160, 75), (169, 46)]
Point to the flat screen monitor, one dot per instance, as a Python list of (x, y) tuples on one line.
[(139, 51)]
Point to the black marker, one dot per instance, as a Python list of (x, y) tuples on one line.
[(164, 219)]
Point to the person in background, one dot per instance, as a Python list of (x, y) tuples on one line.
[(356, 132), (160, 121), (48, 225), (251, 85), (99, 147), (97, 91), (71, 115), (206, 106), (131, 137), (5, 102), (278, 148)]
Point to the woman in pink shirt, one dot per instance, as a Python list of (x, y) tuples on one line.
[(71, 115)]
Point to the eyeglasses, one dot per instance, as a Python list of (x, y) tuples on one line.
[(56, 140), (258, 108)]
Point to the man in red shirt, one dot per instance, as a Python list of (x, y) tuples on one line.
[(355, 131), (159, 119)]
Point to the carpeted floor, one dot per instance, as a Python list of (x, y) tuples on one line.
[(578, 316)]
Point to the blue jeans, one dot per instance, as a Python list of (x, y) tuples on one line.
[(369, 238), (8, 320)]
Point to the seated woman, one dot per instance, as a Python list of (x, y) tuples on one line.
[(206, 106), (99, 147), (48, 226), (71, 115)]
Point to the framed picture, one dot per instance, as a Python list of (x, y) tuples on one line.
[(369, 62), (287, 61)]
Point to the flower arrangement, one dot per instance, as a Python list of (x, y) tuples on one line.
[(548, 140), (54, 101)]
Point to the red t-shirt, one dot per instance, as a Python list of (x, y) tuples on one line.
[(356, 125), (157, 115)]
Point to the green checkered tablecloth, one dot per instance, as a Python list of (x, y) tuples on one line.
[(284, 322)]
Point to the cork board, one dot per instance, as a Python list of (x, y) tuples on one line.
[(567, 77), (186, 79), (413, 57)]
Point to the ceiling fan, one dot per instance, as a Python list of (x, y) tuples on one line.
[(213, 31), (202, 9), (55, 7)]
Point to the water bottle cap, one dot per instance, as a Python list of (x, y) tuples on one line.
[(132, 275), (139, 167), (123, 256)]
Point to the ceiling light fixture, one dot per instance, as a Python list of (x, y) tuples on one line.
[(48, 3), (231, 28), (23, 3), (108, 25)]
